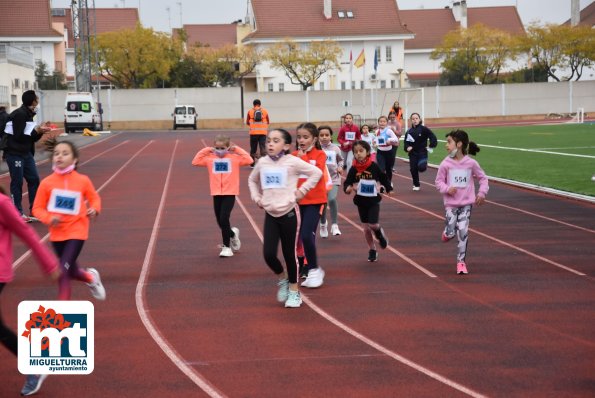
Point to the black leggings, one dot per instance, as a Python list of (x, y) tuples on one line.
[(68, 252), (223, 205), (284, 229), (386, 161), (8, 338)]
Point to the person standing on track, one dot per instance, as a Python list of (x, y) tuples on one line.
[(273, 187), (455, 181), (258, 121), (364, 179), (416, 141), (66, 201), (223, 161), (11, 222)]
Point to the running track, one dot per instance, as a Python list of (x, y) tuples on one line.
[(180, 321)]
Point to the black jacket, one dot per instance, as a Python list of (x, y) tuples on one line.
[(373, 172), (19, 143), (417, 137)]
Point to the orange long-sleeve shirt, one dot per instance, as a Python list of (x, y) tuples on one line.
[(318, 194), (71, 226), (223, 179)]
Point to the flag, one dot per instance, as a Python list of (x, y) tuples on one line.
[(375, 61), (361, 60)]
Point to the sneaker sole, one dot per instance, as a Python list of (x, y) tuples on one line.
[(38, 387)]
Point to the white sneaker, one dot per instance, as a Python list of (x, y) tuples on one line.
[(324, 230), (315, 278), (294, 299), (335, 230), (226, 252), (415, 188), (97, 289), (283, 291), (235, 241)]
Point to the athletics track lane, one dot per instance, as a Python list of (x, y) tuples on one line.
[(515, 326)]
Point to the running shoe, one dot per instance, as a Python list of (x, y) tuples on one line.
[(235, 241), (462, 268), (294, 299), (335, 230), (97, 289), (446, 238), (283, 291), (323, 230), (381, 238), (314, 279), (25, 218), (32, 384), (372, 256), (226, 252), (415, 188)]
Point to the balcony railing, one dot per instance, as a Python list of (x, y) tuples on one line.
[(17, 56)]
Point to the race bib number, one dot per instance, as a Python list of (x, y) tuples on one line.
[(367, 188), (222, 166), (459, 178), (350, 135), (381, 140), (273, 177), (331, 157), (63, 201)]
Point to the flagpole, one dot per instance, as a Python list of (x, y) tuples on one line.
[(364, 88), (350, 77)]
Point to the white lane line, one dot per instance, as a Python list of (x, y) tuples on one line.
[(161, 341), (372, 343), (533, 150), (392, 249), (25, 255), (510, 245)]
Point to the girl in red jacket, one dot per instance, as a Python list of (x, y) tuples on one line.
[(11, 222), (223, 162), (66, 201), (311, 205)]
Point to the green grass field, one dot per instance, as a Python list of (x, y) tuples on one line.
[(555, 156)]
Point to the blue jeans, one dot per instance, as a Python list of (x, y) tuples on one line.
[(21, 167)]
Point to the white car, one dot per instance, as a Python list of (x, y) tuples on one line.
[(81, 111), (184, 116)]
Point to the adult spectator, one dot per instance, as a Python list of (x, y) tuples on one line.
[(20, 151), (3, 120), (396, 108), (258, 121)]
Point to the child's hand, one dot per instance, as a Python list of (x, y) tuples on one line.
[(479, 200), (348, 190), (451, 190), (55, 220), (91, 212), (298, 194)]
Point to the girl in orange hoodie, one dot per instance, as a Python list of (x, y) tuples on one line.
[(311, 205), (223, 162), (66, 201)]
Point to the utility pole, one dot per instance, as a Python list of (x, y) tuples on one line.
[(82, 45)]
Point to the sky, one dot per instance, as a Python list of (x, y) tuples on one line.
[(154, 13)]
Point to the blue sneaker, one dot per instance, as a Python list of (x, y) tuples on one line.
[(294, 299), (32, 384), (283, 291)]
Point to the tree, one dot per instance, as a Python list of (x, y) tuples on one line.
[(474, 55), (47, 81), (579, 50), (304, 66), (137, 58)]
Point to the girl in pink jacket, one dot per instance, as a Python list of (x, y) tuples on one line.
[(223, 161), (455, 181), (11, 222)]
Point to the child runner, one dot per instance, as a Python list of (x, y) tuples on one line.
[(273, 187), (334, 163), (11, 222), (223, 161), (371, 139), (312, 204), (65, 201), (348, 134), (363, 179), (387, 145), (395, 125), (416, 140), (455, 182)]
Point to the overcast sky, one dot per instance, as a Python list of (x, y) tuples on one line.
[(154, 13)]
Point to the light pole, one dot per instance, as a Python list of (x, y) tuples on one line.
[(399, 72)]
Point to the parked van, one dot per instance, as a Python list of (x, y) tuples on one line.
[(184, 115), (81, 112)]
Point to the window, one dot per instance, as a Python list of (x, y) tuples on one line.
[(281, 86), (13, 100), (343, 85), (361, 84), (58, 12), (353, 84), (393, 84), (382, 83), (37, 53), (349, 14), (26, 83), (321, 86), (271, 87), (16, 83), (378, 55), (389, 53), (341, 14)]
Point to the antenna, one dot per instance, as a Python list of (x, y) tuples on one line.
[(179, 3)]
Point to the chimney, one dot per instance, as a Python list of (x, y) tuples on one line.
[(459, 11), (328, 9)]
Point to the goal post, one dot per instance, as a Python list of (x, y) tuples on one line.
[(579, 116), (410, 99)]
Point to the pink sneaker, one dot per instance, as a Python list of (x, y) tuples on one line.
[(445, 238), (462, 268)]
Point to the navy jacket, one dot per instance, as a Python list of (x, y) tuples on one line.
[(417, 137), (19, 143)]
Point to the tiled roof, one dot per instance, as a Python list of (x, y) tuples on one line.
[(26, 18), (106, 20), (215, 36), (305, 18), (430, 26), (587, 16)]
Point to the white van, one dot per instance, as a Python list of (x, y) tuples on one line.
[(184, 115), (81, 112)]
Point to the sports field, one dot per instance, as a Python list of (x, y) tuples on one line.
[(560, 156)]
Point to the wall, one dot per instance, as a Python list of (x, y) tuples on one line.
[(221, 108)]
